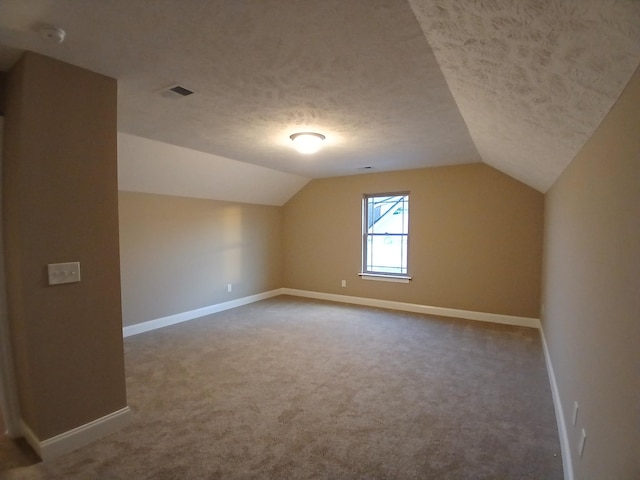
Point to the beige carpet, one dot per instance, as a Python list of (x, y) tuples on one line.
[(15, 453), (299, 389)]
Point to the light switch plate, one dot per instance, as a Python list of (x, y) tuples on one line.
[(63, 273)]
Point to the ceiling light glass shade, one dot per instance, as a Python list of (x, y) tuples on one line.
[(307, 142)]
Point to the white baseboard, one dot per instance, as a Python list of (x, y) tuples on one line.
[(78, 437), (370, 302), (565, 447), (193, 314), (416, 308)]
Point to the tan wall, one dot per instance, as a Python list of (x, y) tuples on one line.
[(475, 239), (60, 205), (179, 254), (592, 293)]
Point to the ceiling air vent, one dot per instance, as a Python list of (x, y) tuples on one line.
[(176, 91)]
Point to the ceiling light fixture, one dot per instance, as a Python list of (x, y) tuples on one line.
[(307, 142)]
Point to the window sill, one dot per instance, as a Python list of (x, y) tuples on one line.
[(385, 278)]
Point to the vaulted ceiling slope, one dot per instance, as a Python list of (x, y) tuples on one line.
[(533, 79), (393, 84)]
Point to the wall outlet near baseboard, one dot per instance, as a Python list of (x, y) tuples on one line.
[(344, 283), (583, 438), (229, 287)]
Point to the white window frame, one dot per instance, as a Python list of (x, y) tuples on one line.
[(365, 273)]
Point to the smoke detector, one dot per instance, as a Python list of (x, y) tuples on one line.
[(51, 34)]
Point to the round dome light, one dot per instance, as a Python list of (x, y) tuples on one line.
[(307, 142)]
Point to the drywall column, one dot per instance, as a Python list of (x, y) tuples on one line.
[(60, 204)]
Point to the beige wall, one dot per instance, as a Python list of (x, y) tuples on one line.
[(60, 205), (592, 293), (475, 239), (179, 254)]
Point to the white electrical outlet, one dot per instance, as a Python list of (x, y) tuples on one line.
[(68, 272), (576, 407), (583, 438), (229, 287), (344, 283)]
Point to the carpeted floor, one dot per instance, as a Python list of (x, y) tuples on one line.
[(296, 388), (15, 453)]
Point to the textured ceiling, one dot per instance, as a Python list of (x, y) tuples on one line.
[(358, 71), (533, 78), (517, 84)]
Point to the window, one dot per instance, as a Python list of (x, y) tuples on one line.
[(385, 236)]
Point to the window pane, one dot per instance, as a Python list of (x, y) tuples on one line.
[(386, 234), (388, 214), (387, 254)]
